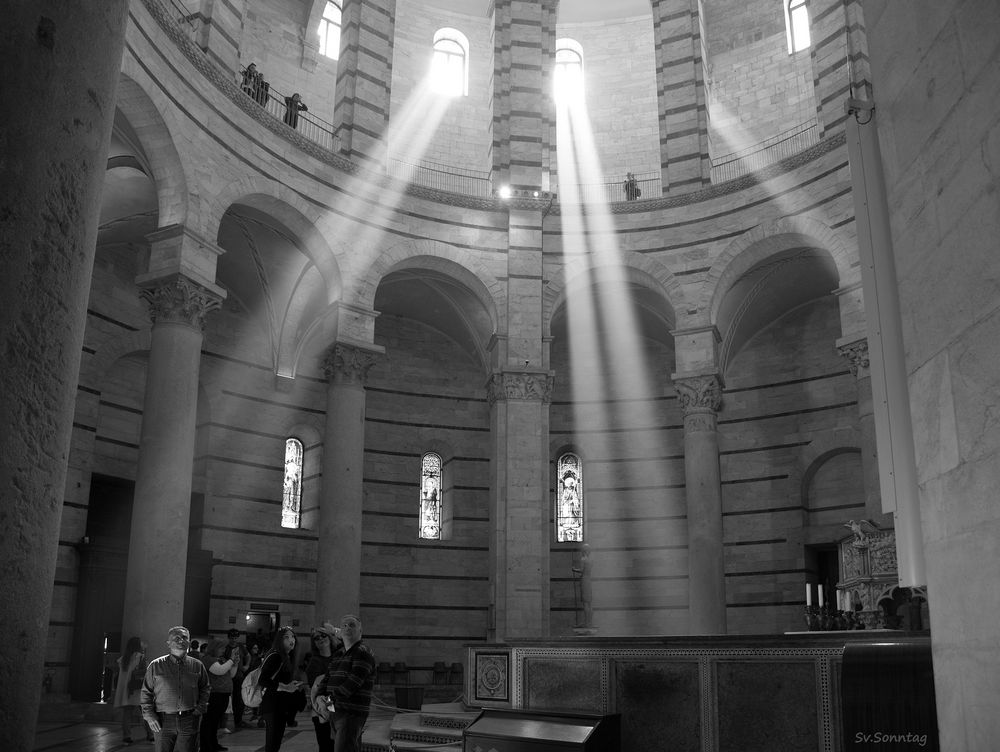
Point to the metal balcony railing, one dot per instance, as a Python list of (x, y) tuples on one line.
[(767, 152)]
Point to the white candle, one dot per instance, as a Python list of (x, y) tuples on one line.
[(840, 601), (819, 589), (809, 595)]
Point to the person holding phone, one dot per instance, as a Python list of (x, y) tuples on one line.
[(277, 678)]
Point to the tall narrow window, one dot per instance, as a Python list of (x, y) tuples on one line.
[(569, 498), (291, 493), (797, 25), (430, 496), (567, 78), (450, 64), (329, 31)]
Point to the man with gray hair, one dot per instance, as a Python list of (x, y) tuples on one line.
[(174, 695), (349, 684)]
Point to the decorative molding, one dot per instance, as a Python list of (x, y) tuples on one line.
[(699, 395), (492, 680), (347, 364), (857, 356), (512, 385), (180, 301)]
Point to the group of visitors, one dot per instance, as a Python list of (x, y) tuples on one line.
[(259, 90), (184, 696)]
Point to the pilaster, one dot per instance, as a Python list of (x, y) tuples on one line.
[(364, 76), (680, 90), (839, 54)]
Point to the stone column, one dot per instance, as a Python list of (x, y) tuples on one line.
[(338, 566), (856, 353), (364, 75), (519, 514), (161, 509), (680, 90), (63, 59), (701, 398)]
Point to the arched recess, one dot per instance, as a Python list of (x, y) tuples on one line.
[(767, 273), (432, 283), (157, 144), (831, 481), (760, 242), (636, 268), (279, 270)]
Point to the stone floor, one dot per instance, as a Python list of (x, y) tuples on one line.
[(80, 734)]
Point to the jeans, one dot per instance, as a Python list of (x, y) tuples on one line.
[(178, 733), (348, 730), (324, 734)]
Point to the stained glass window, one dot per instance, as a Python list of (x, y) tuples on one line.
[(430, 497), (291, 494), (569, 498)]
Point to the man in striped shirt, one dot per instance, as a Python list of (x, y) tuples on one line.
[(349, 684), (174, 695)]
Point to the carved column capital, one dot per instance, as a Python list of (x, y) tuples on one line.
[(512, 385), (347, 364), (178, 300), (857, 356), (699, 394)]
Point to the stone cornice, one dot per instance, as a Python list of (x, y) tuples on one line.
[(857, 356), (180, 301), (524, 385)]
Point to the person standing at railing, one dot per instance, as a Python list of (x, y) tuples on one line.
[(293, 105), (632, 189), (251, 81)]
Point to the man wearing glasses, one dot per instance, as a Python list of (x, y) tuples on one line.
[(349, 684), (174, 695)]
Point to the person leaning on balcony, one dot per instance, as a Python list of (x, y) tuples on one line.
[(632, 189), (251, 81), (293, 105)]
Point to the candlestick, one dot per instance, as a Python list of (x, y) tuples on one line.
[(819, 589), (809, 595)]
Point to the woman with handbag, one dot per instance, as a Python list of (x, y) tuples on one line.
[(131, 671), (326, 648)]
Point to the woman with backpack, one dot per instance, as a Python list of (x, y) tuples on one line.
[(277, 680)]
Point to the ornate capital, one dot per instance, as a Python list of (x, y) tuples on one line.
[(347, 364), (519, 386), (180, 301), (857, 356), (699, 394)]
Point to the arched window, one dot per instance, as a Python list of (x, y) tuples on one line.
[(450, 64), (329, 31), (291, 492), (797, 25), (567, 78), (430, 496), (569, 498)]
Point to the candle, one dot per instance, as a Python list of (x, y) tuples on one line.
[(809, 595), (819, 589), (840, 601)]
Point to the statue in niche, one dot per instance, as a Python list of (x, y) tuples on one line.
[(584, 607)]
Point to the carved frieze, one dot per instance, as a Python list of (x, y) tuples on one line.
[(513, 385), (180, 301), (347, 364)]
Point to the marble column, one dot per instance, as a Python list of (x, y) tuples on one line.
[(519, 514), (161, 508), (701, 398), (338, 566), (839, 56), (63, 59)]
